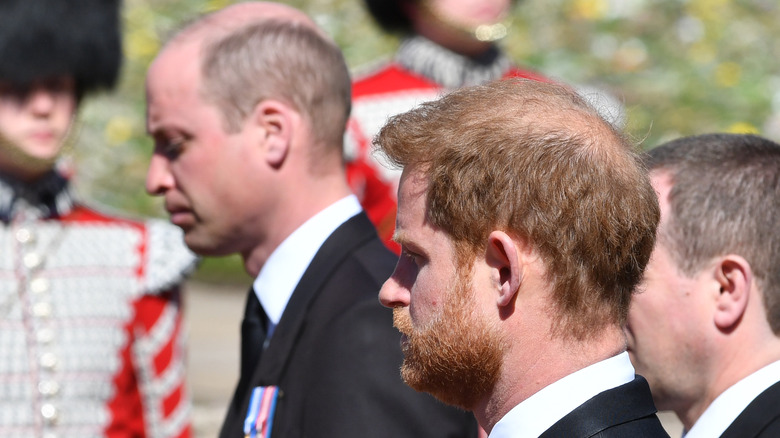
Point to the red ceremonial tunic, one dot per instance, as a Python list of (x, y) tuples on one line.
[(90, 319)]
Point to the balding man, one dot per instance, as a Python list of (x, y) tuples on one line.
[(247, 108), (526, 221)]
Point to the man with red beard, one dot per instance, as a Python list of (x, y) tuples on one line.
[(525, 222)]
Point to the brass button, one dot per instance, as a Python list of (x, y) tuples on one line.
[(45, 335), (32, 260), (48, 387), (49, 361), (42, 309), (49, 413), (39, 285), (24, 235)]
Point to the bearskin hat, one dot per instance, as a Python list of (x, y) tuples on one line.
[(44, 38), (389, 15)]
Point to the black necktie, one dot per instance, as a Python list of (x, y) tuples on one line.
[(253, 331)]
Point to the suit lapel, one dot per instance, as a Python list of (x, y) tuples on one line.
[(757, 415), (270, 370), (625, 403), (339, 245)]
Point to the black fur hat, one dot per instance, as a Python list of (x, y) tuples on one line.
[(42, 38), (389, 15)]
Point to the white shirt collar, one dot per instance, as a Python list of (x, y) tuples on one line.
[(284, 268), (730, 403), (539, 412)]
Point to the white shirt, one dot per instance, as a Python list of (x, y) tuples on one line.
[(284, 268), (539, 412), (730, 403)]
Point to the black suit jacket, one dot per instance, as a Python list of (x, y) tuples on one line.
[(623, 412), (760, 419), (335, 355)]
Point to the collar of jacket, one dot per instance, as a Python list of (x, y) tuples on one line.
[(48, 197), (449, 69)]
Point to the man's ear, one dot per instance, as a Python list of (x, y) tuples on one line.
[(275, 120), (503, 256), (735, 278)]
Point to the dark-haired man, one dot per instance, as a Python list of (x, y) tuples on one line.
[(705, 331)]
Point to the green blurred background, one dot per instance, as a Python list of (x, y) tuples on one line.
[(679, 67)]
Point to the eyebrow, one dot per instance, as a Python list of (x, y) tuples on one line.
[(402, 238), (399, 236), (153, 126), (165, 129)]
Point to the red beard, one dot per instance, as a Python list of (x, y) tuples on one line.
[(457, 357)]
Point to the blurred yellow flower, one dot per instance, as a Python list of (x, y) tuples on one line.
[(118, 130), (141, 44), (743, 128), (680, 118), (701, 53), (589, 9), (711, 11), (728, 74), (630, 56)]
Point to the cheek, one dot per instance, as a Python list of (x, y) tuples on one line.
[(10, 122), (646, 314), (645, 323), (642, 308), (473, 12), (426, 295), (405, 273), (199, 165), (659, 323), (181, 171), (65, 105)]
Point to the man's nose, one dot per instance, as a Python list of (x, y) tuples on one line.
[(393, 294), (41, 100), (158, 176)]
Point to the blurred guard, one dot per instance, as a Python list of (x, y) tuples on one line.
[(90, 328), (446, 44)]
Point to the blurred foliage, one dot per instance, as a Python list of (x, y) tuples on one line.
[(680, 67), (228, 270)]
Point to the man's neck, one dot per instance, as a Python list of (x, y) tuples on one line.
[(298, 206), (733, 365), (552, 360), (727, 406)]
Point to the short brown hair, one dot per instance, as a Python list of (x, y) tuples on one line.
[(533, 159), (725, 199), (281, 60)]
